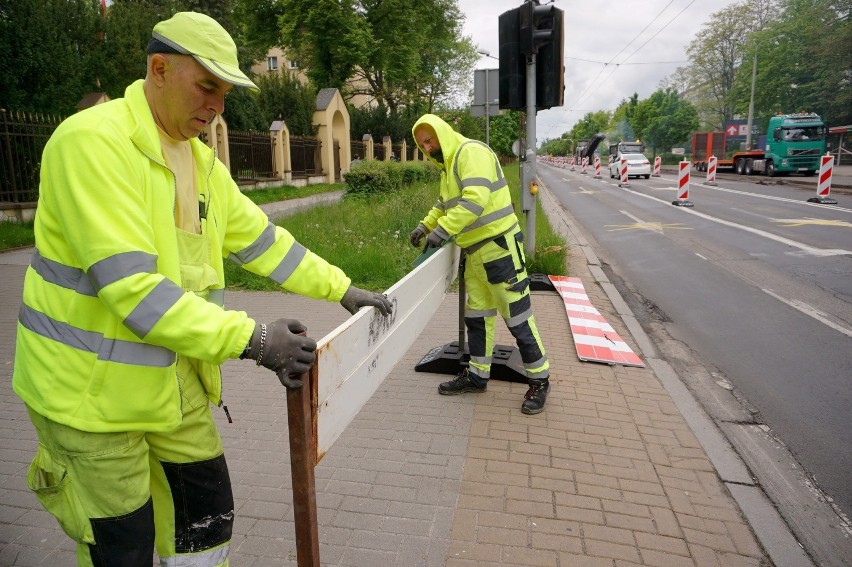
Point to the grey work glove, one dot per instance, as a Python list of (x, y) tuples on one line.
[(434, 240), (354, 299), (280, 347), (417, 235)]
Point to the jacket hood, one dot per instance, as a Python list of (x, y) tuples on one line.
[(449, 139)]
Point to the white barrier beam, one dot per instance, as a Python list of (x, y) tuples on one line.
[(356, 357)]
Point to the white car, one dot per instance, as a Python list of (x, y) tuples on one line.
[(637, 166)]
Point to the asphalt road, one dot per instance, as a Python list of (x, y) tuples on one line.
[(756, 282)]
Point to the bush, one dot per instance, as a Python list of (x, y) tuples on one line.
[(374, 177)]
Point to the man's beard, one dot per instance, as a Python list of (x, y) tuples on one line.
[(437, 155)]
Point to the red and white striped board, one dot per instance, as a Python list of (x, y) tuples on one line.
[(597, 166), (658, 162), (683, 185), (826, 170), (594, 338), (711, 170), (572, 163), (622, 170), (585, 166)]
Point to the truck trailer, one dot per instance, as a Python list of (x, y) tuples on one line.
[(793, 143)]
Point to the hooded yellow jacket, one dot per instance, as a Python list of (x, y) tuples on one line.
[(103, 311), (474, 203)]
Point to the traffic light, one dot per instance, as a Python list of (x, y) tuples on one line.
[(535, 26), (550, 66), (531, 29), (513, 65)]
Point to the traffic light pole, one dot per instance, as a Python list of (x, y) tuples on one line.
[(527, 181)]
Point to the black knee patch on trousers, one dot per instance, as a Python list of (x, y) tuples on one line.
[(124, 540), (204, 504), (527, 345), (475, 335)]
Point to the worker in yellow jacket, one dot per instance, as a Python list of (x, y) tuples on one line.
[(475, 207), (123, 326)]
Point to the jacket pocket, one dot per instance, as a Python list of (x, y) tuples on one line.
[(55, 490)]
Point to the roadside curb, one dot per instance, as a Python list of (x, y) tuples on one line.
[(765, 520)]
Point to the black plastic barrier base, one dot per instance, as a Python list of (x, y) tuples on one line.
[(506, 363), (823, 200), (682, 203)]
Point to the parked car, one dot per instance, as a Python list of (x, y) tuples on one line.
[(637, 166)]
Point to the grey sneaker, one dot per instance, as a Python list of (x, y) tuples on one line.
[(461, 384), (535, 398)]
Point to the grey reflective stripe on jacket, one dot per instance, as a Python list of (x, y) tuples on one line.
[(261, 245), (100, 275), (113, 350), (481, 221), (150, 309)]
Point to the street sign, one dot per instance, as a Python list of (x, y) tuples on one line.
[(486, 92)]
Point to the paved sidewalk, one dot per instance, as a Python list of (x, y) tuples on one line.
[(609, 475)]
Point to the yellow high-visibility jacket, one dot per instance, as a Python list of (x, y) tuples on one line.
[(103, 312), (474, 203)]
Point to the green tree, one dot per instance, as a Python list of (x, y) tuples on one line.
[(620, 127), (803, 62), (592, 123), (664, 120), (504, 130), (330, 37), (49, 48), (716, 54)]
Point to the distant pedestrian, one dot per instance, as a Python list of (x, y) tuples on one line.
[(122, 328)]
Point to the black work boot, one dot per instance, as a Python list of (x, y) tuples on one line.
[(535, 397), (461, 384)]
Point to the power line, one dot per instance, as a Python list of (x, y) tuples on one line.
[(624, 62), (635, 63)]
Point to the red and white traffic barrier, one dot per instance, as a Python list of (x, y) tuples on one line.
[(683, 185), (711, 171), (658, 162), (585, 166), (622, 170), (572, 163), (826, 170), (594, 338), (597, 166)]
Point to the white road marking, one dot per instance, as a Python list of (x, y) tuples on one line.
[(801, 246), (810, 311)]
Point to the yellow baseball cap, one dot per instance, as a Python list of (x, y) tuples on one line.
[(199, 35)]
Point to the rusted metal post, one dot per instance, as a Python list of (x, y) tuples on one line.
[(301, 421)]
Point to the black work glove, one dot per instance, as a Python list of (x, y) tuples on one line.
[(355, 298), (279, 347), (417, 235), (434, 240)]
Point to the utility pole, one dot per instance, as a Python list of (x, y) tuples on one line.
[(751, 101), (529, 156), (531, 79)]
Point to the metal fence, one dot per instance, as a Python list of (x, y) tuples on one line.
[(22, 141), (305, 158), (359, 149), (379, 151), (251, 155), (23, 137)]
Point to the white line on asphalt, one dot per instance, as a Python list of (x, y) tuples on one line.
[(810, 311), (702, 257), (776, 198), (801, 246)]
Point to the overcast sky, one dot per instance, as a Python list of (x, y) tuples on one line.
[(597, 33)]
